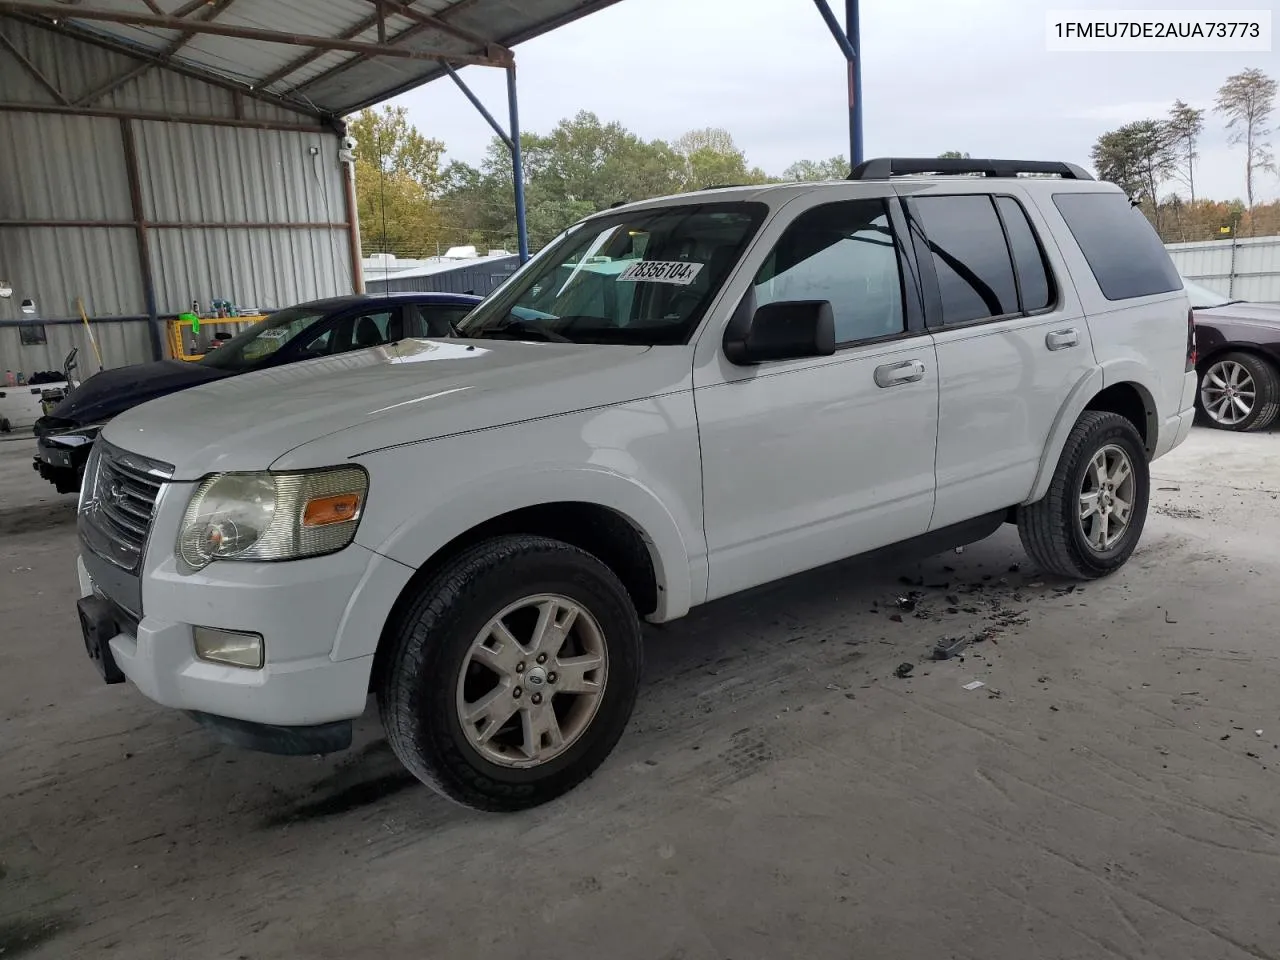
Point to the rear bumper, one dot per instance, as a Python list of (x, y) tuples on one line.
[(1175, 429)]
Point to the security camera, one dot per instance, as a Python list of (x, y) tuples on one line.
[(348, 143)]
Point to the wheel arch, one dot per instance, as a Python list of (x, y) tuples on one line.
[(602, 531), (1129, 397), (1218, 350)]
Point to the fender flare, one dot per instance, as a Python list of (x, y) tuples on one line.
[(419, 539), (1086, 388)]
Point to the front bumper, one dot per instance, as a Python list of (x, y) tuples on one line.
[(61, 464), (320, 620)]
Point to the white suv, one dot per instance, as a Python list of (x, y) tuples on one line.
[(674, 401)]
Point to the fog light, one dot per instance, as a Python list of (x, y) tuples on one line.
[(229, 647)]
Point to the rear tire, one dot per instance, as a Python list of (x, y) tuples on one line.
[(1239, 391), (1101, 480), (513, 673)]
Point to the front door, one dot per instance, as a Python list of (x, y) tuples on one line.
[(809, 461)]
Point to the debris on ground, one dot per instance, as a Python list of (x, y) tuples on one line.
[(1225, 736), (948, 647), (904, 670), (896, 618), (974, 685)]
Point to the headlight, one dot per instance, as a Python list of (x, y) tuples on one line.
[(77, 437), (272, 516)]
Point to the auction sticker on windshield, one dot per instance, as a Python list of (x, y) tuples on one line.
[(681, 272)]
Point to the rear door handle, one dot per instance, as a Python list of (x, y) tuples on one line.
[(1061, 339), (892, 374)]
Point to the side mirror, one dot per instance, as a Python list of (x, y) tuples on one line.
[(789, 330)]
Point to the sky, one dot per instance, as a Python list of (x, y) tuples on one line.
[(969, 75)]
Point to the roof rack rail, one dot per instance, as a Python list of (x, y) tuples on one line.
[(882, 168)]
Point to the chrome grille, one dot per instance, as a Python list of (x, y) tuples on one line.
[(117, 503)]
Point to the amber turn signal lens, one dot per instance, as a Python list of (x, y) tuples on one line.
[(323, 511)]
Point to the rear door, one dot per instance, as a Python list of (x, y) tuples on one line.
[(1010, 336)]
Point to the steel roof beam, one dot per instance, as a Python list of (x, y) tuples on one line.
[(432, 20), (126, 49), (212, 11), (32, 69), (248, 33)]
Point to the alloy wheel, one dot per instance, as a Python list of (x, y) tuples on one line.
[(1106, 498), (1228, 392), (532, 681)]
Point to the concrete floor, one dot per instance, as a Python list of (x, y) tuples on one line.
[(780, 792)]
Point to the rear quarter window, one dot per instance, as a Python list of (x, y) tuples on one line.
[(1122, 248)]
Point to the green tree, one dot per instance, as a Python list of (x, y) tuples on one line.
[(708, 157), (804, 171), (1246, 100), (1139, 157), (1186, 123), (398, 178)]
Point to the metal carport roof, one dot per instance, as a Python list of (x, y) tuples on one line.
[(324, 57)]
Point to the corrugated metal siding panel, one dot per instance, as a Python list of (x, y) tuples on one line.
[(54, 265), (264, 269), (78, 68), (74, 68), (201, 174), (1197, 261), (61, 168), (1254, 276), (121, 343)]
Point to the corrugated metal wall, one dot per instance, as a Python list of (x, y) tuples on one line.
[(255, 216), (120, 342), (1249, 269), (479, 278)]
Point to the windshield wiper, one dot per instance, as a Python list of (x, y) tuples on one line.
[(521, 330)]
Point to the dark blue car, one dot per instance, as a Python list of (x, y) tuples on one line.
[(321, 328)]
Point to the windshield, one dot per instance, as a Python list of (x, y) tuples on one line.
[(644, 277), (1202, 298), (253, 345)]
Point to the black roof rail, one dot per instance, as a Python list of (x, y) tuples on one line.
[(882, 168)]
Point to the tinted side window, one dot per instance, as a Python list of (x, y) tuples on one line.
[(1121, 246), (1028, 258), (842, 252), (975, 274)]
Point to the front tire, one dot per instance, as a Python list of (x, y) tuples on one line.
[(513, 673), (1239, 391), (1091, 519)]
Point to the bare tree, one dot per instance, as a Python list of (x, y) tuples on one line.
[(1246, 100), (1186, 123)]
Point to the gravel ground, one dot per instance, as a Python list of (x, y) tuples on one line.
[(1111, 790)]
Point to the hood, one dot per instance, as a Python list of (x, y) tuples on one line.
[(321, 412), (111, 392), (1261, 314)]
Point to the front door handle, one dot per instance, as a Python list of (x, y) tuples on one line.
[(1061, 339), (892, 374)]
